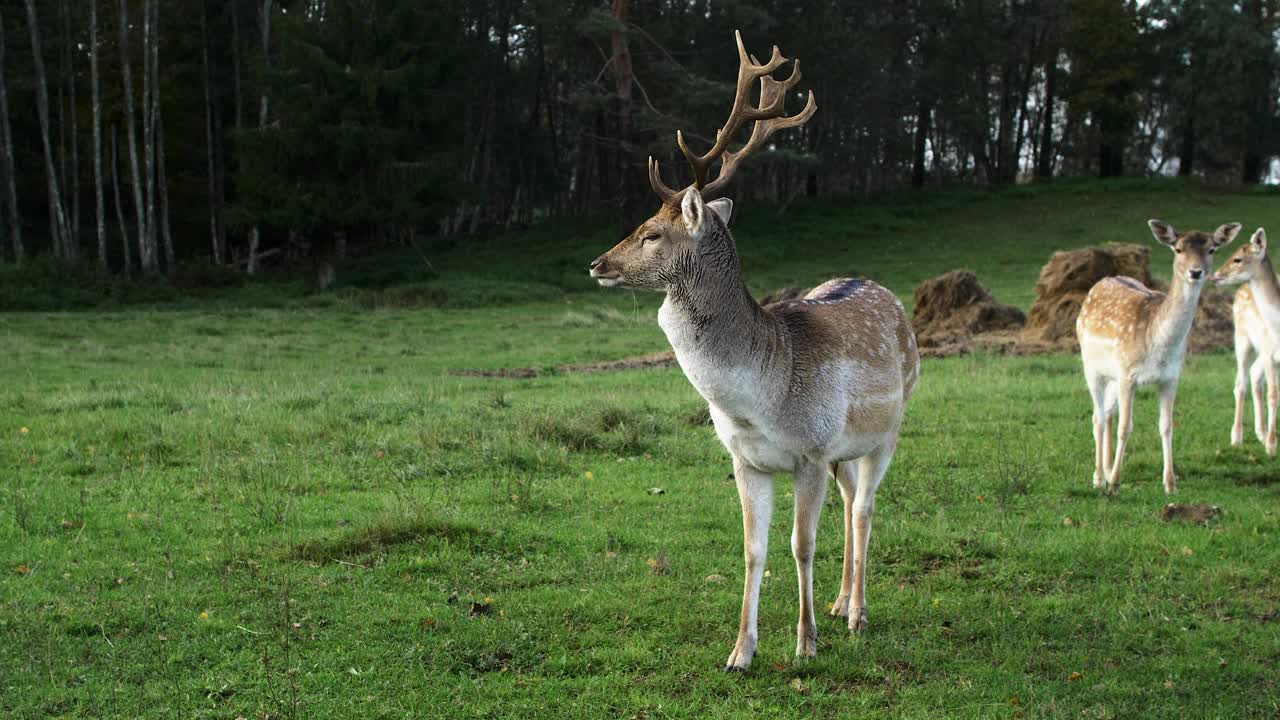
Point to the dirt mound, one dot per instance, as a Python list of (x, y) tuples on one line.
[(1195, 514), (953, 308), (1065, 281)]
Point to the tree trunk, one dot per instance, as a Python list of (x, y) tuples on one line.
[(235, 63), (115, 189), (157, 131), (623, 80), (1187, 152), (100, 210), (1044, 168), (57, 217), (6, 157), (215, 198), (72, 241), (150, 259), (924, 112), (255, 237), (131, 137), (162, 180)]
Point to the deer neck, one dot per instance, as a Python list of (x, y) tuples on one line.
[(1172, 322), (726, 343), (1266, 289)]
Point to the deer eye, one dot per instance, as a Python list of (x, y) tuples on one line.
[(1238, 260), (1177, 251), (649, 237)]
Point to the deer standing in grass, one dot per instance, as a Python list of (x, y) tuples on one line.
[(808, 387), (1131, 335), (1256, 311)]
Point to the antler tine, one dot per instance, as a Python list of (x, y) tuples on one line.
[(763, 129), (769, 116), (660, 187), (741, 113)]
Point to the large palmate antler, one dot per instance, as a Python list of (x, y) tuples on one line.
[(769, 117)]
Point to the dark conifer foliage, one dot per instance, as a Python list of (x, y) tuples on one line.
[(284, 133)]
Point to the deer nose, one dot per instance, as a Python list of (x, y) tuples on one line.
[(1195, 274), (595, 263)]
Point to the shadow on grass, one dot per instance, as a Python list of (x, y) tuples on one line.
[(383, 536)]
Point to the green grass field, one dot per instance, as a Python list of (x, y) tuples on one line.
[(231, 510)]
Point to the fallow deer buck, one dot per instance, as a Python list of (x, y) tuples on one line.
[(806, 386), (1256, 311), (1131, 335)]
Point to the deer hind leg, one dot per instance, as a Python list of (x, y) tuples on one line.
[(1273, 401), (847, 481), (1101, 421), (871, 469), (1168, 392), (1242, 379), (1256, 373), (1124, 425), (810, 488), (755, 491)]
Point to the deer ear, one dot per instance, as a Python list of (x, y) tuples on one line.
[(692, 208), (1163, 232), (1259, 241), (722, 207), (1226, 234)]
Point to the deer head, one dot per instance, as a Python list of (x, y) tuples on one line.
[(666, 245), (1193, 251), (1245, 262)]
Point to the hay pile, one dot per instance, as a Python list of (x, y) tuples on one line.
[(953, 312), (1214, 327), (1065, 281)]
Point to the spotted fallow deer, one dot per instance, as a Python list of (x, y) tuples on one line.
[(1131, 335), (1256, 311), (809, 387)]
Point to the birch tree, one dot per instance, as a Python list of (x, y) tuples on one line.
[(215, 194), (264, 23), (157, 136), (72, 241), (125, 242), (150, 260), (145, 258), (100, 212), (57, 216)]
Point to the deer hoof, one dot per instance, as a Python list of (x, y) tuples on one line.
[(840, 608), (858, 620)]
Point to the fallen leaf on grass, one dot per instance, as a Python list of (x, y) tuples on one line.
[(1068, 521), (480, 608), (1074, 676), (1188, 552), (656, 491), (715, 578), (23, 570), (797, 685)]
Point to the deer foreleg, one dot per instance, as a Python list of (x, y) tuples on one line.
[(755, 491)]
